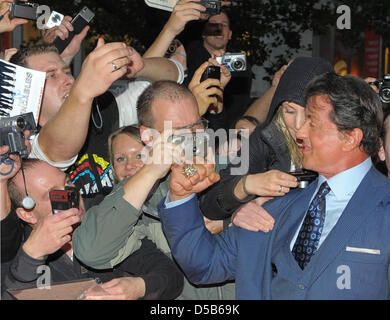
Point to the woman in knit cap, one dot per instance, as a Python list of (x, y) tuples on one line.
[(273, 148)]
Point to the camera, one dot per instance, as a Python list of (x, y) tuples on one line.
[(64, 199), (11, 133), (384, 88), (24, 10), (78, 22), (213, 72), (172, 48), (193, 144), (55, 20), (213, 7), (233, 61), (304, 177)]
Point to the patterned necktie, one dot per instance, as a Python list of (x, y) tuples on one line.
[(310, 233)]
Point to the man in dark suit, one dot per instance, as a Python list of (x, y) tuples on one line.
[(330, 240)]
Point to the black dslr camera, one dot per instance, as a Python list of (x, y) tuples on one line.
[(384, 88), (304, 177), (213, 7), (11, 133), (64, 199)]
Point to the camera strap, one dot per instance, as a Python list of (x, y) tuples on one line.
[(7, 161)]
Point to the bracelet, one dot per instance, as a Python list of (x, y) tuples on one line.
[(243, 185)]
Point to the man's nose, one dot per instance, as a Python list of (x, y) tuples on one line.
[(302, 131)]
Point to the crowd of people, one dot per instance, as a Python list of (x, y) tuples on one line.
[(171, 206)]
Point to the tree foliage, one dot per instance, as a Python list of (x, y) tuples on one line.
[(259, 26)]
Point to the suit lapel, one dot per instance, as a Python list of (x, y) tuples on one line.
[(356, 212)]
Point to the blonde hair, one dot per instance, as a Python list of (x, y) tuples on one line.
[(295, 154)]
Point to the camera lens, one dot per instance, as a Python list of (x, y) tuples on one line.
[(385, 95), (20, 123), (56, 18), (238, 65)]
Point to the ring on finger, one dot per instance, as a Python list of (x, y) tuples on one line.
[(114, 65), (189, 170), (280, 189)]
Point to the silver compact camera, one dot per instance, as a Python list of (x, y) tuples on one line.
[(193, 144), (233, 61)]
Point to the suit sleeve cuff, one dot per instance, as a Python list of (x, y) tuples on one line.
[(168, 204)]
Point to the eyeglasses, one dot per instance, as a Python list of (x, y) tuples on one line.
[(201, 124)]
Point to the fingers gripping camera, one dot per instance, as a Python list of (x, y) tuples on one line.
[(193, 144), (233, 61)]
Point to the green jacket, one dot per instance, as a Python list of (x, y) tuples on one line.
[(113, 230)]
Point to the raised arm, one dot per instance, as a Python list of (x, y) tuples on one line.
[(62, 32), (62, 137), (184, 11), (6, 23)]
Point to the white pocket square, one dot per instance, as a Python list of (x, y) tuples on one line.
[(362, 250)]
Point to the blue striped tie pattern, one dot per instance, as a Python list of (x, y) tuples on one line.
[(310, 233)]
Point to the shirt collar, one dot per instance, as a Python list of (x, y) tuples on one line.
[(344, 184)]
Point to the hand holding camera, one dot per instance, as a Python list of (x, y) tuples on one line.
[(12, 134), (51, 233), (383, 86), (272, 183), (209, 90), (164, 150), (8, 24), (183, 12)]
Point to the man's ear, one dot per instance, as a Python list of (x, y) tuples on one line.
[(27, 215), (352, 139), (146, 134)]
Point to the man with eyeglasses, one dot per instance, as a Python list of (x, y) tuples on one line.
[(165, 110)]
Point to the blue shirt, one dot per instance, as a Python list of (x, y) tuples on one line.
[(342, 187)]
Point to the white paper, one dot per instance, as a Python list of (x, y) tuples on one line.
[(166, 5), (27, 89)]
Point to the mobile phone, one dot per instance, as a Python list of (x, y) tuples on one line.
[(79, 22), (64, 199), (213, 72)]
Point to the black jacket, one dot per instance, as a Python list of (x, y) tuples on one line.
[(162, 277), (267, 146)]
